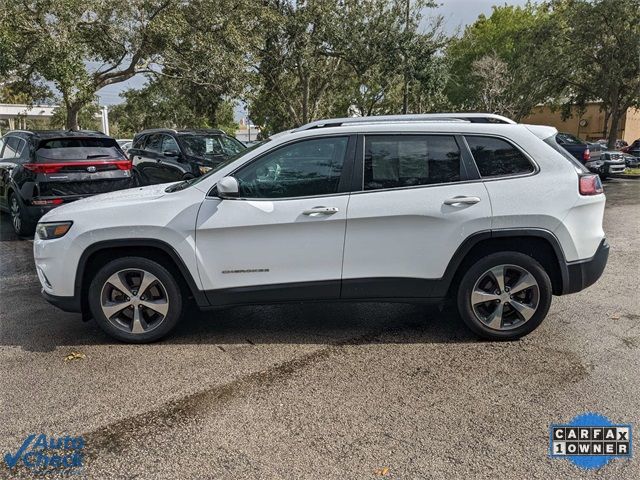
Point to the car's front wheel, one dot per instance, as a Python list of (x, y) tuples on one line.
[(504, 296), (135, 299)]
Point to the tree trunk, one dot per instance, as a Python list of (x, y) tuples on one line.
[(615, 122), (605, 130), (72, 117)]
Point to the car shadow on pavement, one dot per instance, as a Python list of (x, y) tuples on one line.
[(39, 327)]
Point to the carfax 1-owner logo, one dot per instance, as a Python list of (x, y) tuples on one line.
[(590, 441), (47, 454)]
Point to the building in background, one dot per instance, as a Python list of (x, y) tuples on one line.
[(247, 131), (589, 125)]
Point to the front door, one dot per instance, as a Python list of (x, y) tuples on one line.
[(416, 206), (283, 238)]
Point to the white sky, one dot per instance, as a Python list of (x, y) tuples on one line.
[(456, 13)]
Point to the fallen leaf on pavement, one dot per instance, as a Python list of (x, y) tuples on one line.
[(381, 471), (74, 356)]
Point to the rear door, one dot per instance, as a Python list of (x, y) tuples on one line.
[(12, 149), (77, 166), (284, 238), (417, 203), (146, 157)]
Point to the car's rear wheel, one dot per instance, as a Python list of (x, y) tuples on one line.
[(504, 296), (21, 225), (135, 300)]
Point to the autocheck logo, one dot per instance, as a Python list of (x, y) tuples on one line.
[(48, 454)]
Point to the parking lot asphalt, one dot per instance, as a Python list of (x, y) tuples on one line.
[(325, 390)]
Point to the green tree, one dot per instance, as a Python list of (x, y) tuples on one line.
[(172, 103), (596, 55), (82, 46), (498, 62)]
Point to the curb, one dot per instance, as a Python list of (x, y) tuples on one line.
[(634, 177)]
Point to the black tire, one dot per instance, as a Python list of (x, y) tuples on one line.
[(514, 264), (166, 286), (22, 226)]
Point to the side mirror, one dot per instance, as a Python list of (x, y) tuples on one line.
[(227, 187), (171, 153)]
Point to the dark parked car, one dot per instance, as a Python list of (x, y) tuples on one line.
[(166, 155), (40, 170), (633, 149), (580, 149), (604, 163)]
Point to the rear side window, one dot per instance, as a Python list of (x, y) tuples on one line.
[(496, 157), (395, 161), (12, 147), (569, 139), (78, 149)]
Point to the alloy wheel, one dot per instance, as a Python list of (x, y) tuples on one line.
[(15, 214), (134, 301), (505, 297)]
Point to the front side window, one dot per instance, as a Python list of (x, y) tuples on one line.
[(169, 144), (154, 143), (395, 161), (497, 157), (306, 168)]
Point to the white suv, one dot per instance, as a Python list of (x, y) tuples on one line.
[(470, 207)]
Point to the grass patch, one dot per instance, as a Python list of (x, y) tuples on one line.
[(632, 171)]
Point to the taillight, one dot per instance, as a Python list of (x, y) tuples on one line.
[(56, 167), (43, 167), (586, 155), (48, 201), (590, 185)]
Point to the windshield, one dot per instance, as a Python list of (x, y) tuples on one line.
[(187, 183), (211, 145)]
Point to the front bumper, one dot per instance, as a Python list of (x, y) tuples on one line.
[(66, 304), (584, 273)]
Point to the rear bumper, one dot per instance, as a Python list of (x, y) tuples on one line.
[(585, 273), (66, 304)]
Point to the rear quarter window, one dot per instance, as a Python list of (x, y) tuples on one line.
[(69, 149), (496, 157)]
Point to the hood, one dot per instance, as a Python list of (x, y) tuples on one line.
[(129, 196)]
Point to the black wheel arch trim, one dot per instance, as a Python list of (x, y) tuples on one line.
[(198, 295), (471, 241), (573, 274)]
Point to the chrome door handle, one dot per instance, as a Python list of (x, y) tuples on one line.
[(462, 200), (321, 211)]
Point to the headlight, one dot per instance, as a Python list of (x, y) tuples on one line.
[(204, 170), (51, 230)]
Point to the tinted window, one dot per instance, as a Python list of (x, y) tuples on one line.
[(410, 160), (78, 148), (494, 157), (231, 146), (169, 143), (310, 167), (12, 147), (154, 143), (568, 138)]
